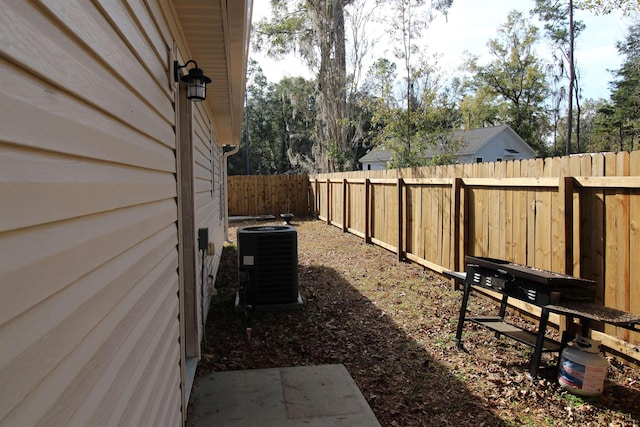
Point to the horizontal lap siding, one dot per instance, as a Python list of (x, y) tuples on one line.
[(88, 238), (207, 176)]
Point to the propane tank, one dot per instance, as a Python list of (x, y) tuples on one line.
[(583, 368)]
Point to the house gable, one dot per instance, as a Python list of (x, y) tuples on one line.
[(506, 145), (485, 144), (376, 159), (499, 143)]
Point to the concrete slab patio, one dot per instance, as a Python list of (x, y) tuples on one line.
[(323, 395)]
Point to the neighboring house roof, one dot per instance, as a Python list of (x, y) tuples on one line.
[(378, 154), (472, 141)]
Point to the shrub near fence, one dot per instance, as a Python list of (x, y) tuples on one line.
[(578, 215), (268, 195)]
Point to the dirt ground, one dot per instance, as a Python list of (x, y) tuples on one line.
[(392, 324)]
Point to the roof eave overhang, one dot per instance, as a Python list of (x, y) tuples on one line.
[(217, 34)]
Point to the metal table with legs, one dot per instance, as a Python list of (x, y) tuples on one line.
[(497, 324), (584, 311)]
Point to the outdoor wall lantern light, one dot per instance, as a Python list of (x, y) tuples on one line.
[(196, 81)]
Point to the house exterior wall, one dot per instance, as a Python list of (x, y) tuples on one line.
[(496, 149), (374, 166), (209, 207), (89, 284), (488, 144)]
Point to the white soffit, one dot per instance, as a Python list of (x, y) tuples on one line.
[(217, 35)]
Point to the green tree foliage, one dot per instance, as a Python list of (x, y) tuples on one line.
[(434, 114), (626, 88), (561, 30), (615, 125), (380, 83), (593, 137), (405, 121), (604, 7), (359, 15), (510, 89), (622, 117), (279, 126), (315, 30), (407, 105)]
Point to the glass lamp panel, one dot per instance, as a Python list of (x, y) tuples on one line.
[(196, 90)]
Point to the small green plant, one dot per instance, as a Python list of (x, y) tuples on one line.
[(528, 421), (446, 342), (573, 400)]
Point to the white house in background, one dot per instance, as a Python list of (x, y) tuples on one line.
[(376, 159), (490, 144), (107, 174)]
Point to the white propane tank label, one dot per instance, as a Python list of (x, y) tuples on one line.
[(587, 379), (583, 368), (247, 260)]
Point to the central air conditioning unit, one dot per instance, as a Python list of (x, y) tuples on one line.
[(268, 268)]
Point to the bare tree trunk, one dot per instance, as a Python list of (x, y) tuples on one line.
[(572, 78), (340, 84), (285, 138), (246, 137), (621, 135), (578, 117), (328, 20), (407, 50)]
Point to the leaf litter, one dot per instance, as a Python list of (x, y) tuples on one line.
[(392, 325)]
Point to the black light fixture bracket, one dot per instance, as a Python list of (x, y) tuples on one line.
[(195, 80), (177, 67)]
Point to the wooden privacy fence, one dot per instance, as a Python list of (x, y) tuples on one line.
[(578, 215), (268, 195)]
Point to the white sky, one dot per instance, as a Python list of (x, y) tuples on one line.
[(469, 26)]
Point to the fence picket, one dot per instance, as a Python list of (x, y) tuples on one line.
[(523, 211)]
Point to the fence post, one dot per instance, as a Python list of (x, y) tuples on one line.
[(318, 198), (401, 254), (463, 225), (367, 204), (316, 207), (344, 205), (566, 197), (456, 185), (328, 201)]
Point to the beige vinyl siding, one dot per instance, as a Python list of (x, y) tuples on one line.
[(72, 64), (207, 153), (88, 239)]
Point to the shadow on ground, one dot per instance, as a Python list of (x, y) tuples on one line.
[(392, 325), (402, 383)]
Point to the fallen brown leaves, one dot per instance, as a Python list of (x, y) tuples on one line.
[(392, 325)]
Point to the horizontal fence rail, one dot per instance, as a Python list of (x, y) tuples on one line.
[(578, 215)]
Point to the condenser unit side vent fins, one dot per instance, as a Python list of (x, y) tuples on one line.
[(272, 278)]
